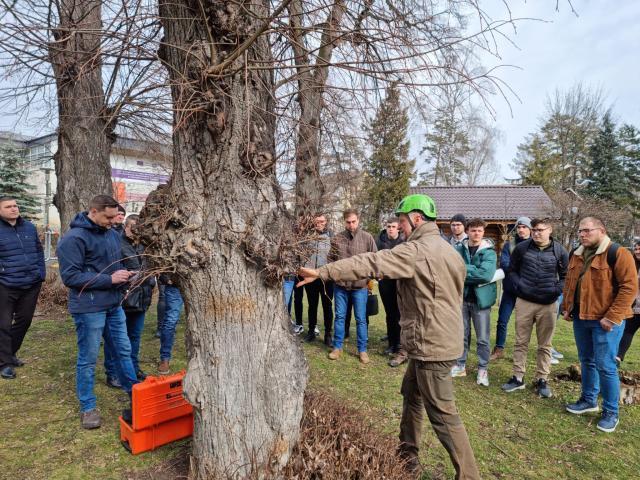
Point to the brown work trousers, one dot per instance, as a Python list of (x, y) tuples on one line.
[(429, 386), (544, 318)]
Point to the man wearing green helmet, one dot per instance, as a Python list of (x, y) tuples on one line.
[(430, 280)]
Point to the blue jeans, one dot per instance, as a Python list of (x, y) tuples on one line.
[(173, 307), (597, 350), (160, 308), (287, 292), (89, 330), (481, 320), (507, 304), (135, 324), (359, 299)]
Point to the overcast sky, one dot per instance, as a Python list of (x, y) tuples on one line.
[(600, 46)]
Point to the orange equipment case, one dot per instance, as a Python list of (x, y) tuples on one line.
[(160, 414)]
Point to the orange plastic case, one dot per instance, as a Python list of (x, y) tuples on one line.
[(161, 414)]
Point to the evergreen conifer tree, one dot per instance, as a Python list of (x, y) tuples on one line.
[(629, 151), (13, 181), (388, 171), (606, 179)]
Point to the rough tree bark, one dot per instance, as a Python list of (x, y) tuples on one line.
[(312, 80), (220, 225), (83, 169)]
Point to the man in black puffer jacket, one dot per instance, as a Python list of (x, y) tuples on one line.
[(22, 271), (538, 269)]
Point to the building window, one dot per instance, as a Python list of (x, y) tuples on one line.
[(140, 162)]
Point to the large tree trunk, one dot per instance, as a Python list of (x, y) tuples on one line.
[(220, 225), (83, 169)]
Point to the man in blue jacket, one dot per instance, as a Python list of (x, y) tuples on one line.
[(89, 255), (22, 271)]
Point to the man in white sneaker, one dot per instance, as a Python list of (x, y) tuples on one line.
[(480, 294)]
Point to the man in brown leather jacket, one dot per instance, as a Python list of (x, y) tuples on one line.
[(599, 290)]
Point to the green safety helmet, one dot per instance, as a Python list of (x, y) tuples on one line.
[(417, 202)]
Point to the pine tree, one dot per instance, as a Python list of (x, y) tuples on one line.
[(606, 173), (557, 156), (388, 171), (13, 181), (629, 152), (534, 163)]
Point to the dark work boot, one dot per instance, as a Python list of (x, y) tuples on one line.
[(7, 372), (17, 362), (328, 341), (113, 382), (410, 462)]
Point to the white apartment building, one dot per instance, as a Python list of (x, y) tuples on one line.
[(137, 168)]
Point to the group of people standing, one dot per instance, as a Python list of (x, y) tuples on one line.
[(443, 291), (109, 294), (340, 298), (595, 287), (434, 290)]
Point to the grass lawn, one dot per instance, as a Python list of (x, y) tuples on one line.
[(513, 435)]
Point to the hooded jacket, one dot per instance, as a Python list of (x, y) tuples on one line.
[(88, 254), (505, 261), (481, 268), (318, 249), (21, 255), (430, 279)]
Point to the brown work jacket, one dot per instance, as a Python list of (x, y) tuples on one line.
[(430, 276), (597, 297)]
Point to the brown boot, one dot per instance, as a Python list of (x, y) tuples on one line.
[(335, 354), (497, 353), (163, 367), (90, 420), (364, 357), (398, 359)]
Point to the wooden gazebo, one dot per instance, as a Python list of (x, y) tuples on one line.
[(498, 205)]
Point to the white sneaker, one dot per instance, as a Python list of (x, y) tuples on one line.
[(316, 331), (483, 377), (556, 354), (554, 361), (298, 329), (458, 371)]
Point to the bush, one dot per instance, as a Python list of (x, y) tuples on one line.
[(53, 294), (336, 442)]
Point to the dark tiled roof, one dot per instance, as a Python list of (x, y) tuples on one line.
[(501, 202)]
